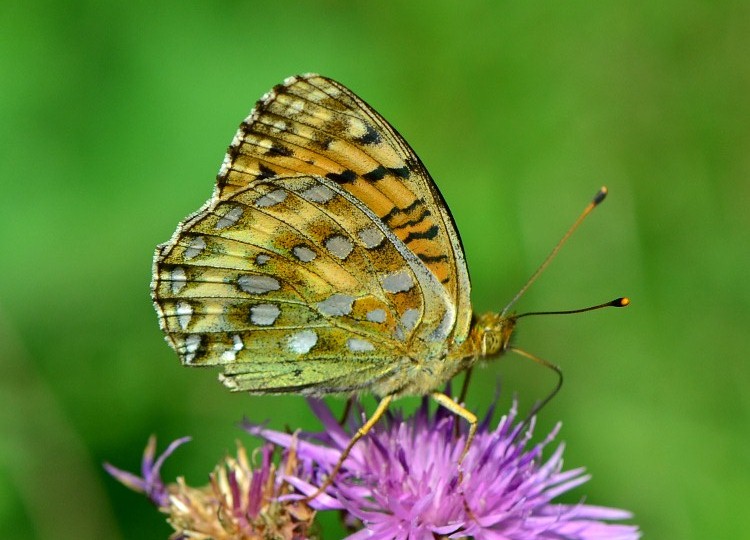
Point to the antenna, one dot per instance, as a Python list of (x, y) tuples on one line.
[(617, 302), (598, 198)]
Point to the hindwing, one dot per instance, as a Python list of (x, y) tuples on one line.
[(292, 284)]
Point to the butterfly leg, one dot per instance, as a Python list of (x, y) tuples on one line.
[(347, 409), (361, 432), (450, 404), (465, 386), (462, 399)]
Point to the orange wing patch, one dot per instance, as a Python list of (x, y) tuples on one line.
[(312, 125)]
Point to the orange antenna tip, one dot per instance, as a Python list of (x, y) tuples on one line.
[(600, 195), (621, 302)]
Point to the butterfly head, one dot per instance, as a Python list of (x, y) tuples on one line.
[(491, 333)]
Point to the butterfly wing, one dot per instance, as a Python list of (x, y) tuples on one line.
[(315, 126), (292, 284)]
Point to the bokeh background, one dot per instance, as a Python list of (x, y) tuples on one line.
[(115, 116)]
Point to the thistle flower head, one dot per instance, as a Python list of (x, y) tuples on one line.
[(403, 481), (238, 503)]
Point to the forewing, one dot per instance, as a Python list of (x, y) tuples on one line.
[(315, 126), (292, 284)]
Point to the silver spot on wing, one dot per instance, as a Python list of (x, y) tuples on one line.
[(271, 198), (231, 217), (264, 314), (192, 343), (340, 246), (184, 313), (258, 284), (195, 247), (371, 237), (303, 253), (336, 304), (408, 322), (318, 194), (179, 279), (359, 345), (303, 341), (376, 315), (398, 282)]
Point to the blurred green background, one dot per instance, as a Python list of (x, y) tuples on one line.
[(115, 117)]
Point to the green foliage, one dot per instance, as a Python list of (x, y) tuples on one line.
[(115, 118)]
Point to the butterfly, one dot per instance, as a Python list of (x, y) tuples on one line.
[(325, 262)]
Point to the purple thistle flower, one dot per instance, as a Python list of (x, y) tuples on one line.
[(401, 481), (150, 484), (240, 502)]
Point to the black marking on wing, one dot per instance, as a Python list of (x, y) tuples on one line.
[(377, 173), (429, 234), (345, 177), (401, 172), (370, 137), (265, 172), (396, 210), (279, 150), (432, 258), (233, 152), (426, 212), (380, 172)]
